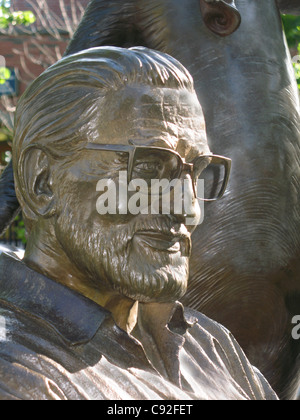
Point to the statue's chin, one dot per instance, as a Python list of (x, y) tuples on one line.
[(153, 284), (147, 268)]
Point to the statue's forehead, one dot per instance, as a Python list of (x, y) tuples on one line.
[(152, 115), (161, 101)]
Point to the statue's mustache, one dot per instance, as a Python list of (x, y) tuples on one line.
[(165, 229), (164, 224)]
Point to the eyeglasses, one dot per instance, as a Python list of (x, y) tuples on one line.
[(149, 163)]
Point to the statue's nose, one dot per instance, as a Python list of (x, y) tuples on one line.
[(184, 204)]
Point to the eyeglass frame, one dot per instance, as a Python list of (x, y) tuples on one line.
[(186, 167)]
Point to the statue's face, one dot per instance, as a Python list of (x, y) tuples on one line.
[(142, 256)]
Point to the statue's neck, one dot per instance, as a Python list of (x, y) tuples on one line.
[(45, 255)]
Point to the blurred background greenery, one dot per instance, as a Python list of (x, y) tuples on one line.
[(291, 26), (8, 17)]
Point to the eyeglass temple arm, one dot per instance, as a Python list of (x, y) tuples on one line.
[(226, 162)]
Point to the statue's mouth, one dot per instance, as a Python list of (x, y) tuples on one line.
[(169, 242)]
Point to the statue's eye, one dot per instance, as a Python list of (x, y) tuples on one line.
[(150, 168), (156, 164)]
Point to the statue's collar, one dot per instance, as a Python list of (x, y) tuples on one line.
[(77, 318), (160, 328), (73, 316)]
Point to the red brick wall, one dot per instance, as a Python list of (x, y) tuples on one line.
[(14, 50), (52, 4), (23, 51)]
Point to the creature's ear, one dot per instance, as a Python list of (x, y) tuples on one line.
[(291, 7), (220, 16), (36, 182)]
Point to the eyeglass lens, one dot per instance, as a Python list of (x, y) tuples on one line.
[(156, 164), (161, 164), (210, 180)]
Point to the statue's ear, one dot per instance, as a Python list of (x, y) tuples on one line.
[(220, 16), (291, 7), (36, 181)]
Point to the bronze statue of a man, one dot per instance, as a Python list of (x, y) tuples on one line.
[(92, 310)]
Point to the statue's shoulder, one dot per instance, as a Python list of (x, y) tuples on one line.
[(226, 355), (204, 325), (204, 329), (20, 379), (24, 373), (209, 334)]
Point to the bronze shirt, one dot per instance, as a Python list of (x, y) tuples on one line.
[(57, 344)]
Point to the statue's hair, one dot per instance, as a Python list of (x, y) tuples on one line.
[(63, 99), (57, 111)]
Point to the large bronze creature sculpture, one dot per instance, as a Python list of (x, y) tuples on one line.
[(244, 268), (91, 311)]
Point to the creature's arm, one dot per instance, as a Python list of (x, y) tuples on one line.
[(9, 205)]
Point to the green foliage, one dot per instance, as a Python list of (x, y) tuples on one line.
[(5, 135), (19, 229), (4, 75), (291, 26), (8, 17), (296, 65)]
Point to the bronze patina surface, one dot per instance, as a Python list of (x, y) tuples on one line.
[(92, 311), (246, 255)]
